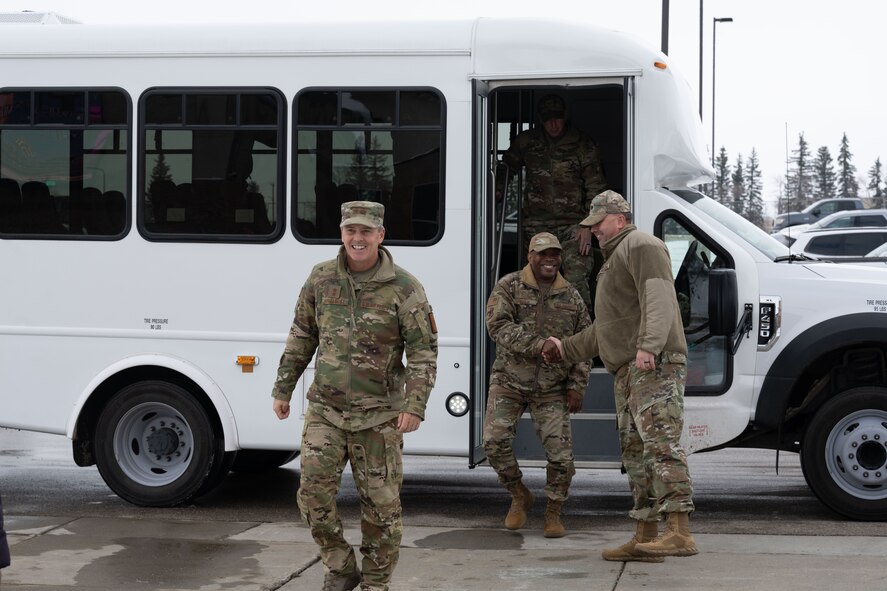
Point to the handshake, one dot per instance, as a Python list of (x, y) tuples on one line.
[(553, 350)]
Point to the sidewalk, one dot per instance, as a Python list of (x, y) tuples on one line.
[(104, 554)]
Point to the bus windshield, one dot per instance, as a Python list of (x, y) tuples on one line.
[(740, 226)]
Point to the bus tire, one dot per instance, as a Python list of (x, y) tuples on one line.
[(155, 445), (844, 453), (253, 461)]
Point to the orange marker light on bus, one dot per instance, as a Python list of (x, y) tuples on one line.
[(660, 65), (247, 362)]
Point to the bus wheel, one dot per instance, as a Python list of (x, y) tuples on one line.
[(844, 453), (262, 460), (155, 445)]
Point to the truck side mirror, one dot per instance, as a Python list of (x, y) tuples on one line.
[(723, 301)]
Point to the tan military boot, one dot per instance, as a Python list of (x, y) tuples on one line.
[(553, 528), (521, 501), (676, 541), (332, 582), (646, 531)]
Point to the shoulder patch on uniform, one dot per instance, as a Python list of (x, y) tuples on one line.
[(432, 322)]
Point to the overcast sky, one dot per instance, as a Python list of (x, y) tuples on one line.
[(783, 66)]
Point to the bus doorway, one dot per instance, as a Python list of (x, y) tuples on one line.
[(599, 110)]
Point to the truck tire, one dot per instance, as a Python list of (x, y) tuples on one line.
[(262, 460), (155, 445), (844, 453)]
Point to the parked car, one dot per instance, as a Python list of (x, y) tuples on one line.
[(816, 211), (853, 218), (839, 243)]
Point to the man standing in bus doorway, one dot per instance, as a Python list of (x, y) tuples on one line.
[(639, 336), (361, 313), (564, 172), (524, 308)]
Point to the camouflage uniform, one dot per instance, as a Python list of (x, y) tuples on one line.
[(360, 331), (520, 315), (636, 308), (563, 174)]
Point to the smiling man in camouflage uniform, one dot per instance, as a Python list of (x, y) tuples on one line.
[(639, 336), (361, 313), (564, 172), (525, 307)]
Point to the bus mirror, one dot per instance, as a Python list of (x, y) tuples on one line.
[(723, 300)]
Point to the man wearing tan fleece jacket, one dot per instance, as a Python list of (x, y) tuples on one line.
[(639, 336)]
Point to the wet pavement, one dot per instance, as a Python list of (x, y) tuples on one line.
[(103, 554)]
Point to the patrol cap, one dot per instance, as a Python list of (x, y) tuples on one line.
[(544, 241), (365, 213), (604, 203), (551, 106)]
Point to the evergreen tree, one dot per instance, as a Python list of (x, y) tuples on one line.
[(722, 178), (161, 170), (799, 182), (823, 175), (754, 202), (738, 203), (847, 185), (370, 172), (877, 193)]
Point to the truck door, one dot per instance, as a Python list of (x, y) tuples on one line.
[(503, 109)]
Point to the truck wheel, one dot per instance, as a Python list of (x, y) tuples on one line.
[(262, 460), (844, 453), (155, 445)]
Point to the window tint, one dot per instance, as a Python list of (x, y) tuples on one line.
[(830, 207), (373, 145), (64, 163), (211, 167), (856, 244), (870, 220), (843, 222), (692, 261)]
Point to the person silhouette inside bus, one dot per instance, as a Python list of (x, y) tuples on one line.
[(563, 174), (362, 315), (524, 308)]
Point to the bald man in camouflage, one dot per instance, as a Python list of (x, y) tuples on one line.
[(524, 308), (564, 173), (361, 313)]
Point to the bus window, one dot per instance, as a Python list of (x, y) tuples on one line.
[(64, 163), (211, 168), (372, 145)]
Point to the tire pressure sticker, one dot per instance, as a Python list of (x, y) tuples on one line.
[(156, 323), (877, 305), (698, 430)]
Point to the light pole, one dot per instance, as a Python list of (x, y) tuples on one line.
[(700, 60), (714, 45)]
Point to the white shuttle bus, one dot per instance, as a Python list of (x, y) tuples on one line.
[(165, 191)]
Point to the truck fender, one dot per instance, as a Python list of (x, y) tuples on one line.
[(868, 328)]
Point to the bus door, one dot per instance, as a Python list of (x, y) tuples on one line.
[(483, 267), (600, 109)]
